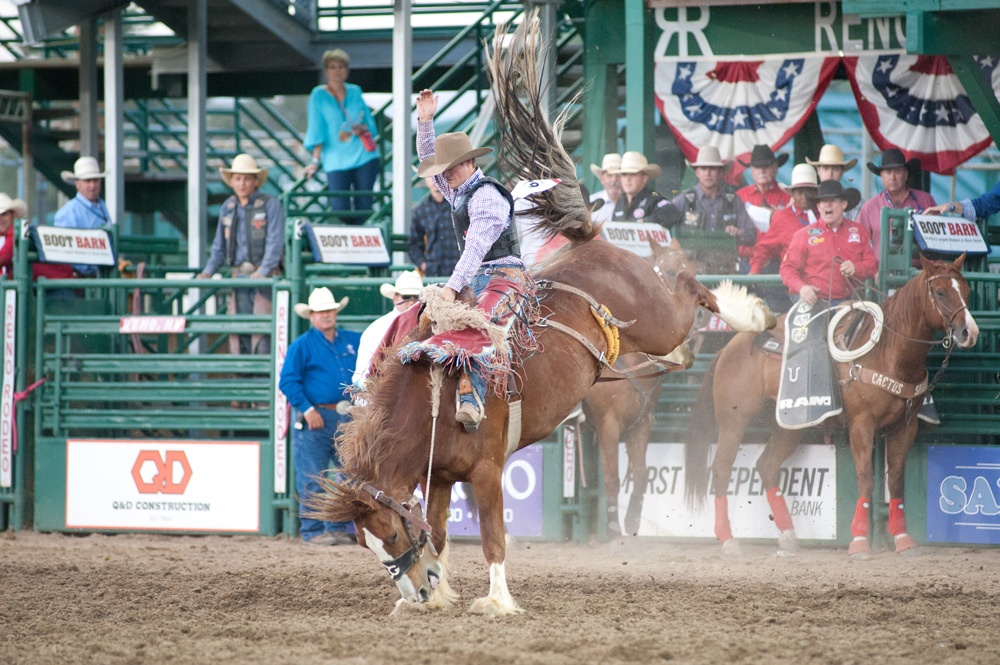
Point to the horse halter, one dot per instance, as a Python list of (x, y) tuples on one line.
[(402, 564)]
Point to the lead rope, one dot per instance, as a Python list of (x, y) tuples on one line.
[(437, 385)]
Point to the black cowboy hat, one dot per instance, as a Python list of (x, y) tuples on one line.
[(833, 189), (893, 158), (762, 155)]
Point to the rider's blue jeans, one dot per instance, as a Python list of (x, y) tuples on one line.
[(313, 455)]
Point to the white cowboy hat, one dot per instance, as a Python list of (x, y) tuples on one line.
[(708, 156), (609, 163), (244, 163), (19, 207), (831, 155), (635, 162), (85, 168), (408, 283), (803, 175), (320, 300), (449, 149)]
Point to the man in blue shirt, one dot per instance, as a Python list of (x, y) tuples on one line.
[(314, 378), (87, 209)]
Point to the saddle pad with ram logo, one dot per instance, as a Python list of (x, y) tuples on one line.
[(808, 392)]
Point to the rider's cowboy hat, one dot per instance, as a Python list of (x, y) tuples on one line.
[(19, 207), (709, 157), (609, 164), (85, 168), (803, 175), (244, 163), (407, 284), (831, 155), (635, 162), (762, 156), (832, 189), (893, 158), (449, 149), (320, 300)]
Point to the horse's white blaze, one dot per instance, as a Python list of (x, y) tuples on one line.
[(405, 586), (742, 311), (970, 323)]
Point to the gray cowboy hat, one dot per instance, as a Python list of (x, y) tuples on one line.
[(833, 189), (762, 155), (893, 158), (449, 149)]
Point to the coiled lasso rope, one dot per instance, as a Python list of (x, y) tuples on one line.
[(846, 355)]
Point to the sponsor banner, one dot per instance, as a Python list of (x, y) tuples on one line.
[(715, 324), (7, 405), (963, 494), (347, 244), (948, 235), (522, 498), (281, 411), (808, 479), (163, 484), (152, 324), (56, 244), (635, 236)]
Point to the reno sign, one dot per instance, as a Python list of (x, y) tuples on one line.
[(963, 494)]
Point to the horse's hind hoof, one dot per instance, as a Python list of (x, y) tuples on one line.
[(788, 543), (860, 549), (731, 549), (905, 544)]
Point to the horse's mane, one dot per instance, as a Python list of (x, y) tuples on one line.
[(528, 146)]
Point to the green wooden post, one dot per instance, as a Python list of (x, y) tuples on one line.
[(604, 52), (639, 107)]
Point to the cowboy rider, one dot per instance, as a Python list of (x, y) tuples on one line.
[(482, 210)]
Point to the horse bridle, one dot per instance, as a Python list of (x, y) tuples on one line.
[(949, 330), (411, 518)]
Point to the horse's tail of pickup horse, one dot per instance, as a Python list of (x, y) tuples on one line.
[(701, 434)]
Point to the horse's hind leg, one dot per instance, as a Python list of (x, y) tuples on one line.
[(781, 444), (608, 436), (486, 485), (636, 444), (897, 447)]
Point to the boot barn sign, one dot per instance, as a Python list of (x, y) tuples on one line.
[(714, 88)]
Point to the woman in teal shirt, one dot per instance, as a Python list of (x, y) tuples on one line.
[(340, 135)]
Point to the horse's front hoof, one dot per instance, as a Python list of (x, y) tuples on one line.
[(731, 549), (860, 549), (788, 543), (905, 544), (404, 606), (493, 607)]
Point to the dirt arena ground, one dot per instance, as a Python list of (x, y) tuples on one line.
[(148, 599)]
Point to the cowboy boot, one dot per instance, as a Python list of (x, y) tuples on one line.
[(469, 406)]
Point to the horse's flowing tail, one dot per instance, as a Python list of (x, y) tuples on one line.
[(528, 146), (701, 434)]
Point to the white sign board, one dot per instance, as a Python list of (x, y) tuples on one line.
[(85, 246), (634, 236), (348, 244), (163, 485), (281, 310), (808, 479), (7, 405), (950, 235)]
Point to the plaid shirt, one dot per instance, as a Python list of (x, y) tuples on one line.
[(489, 215), (432, 238)]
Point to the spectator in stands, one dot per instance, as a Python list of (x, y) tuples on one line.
[(250, 238), (712, 205), (612, 183), (317, 369), (831, 165), (638, 203), (823, 256), (340, 134), (763, 196), (10, 209), (971, 209), (433, 247), (87, 209), (894, 170), (403, 294)]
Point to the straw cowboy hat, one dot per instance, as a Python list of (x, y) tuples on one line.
[(609, 163), (85, 168), (408, 283), (708, 156), (19, 207), (831, 155), (803, 175), (893, 158), (244, 163), (832, 189), (635, 162), (449, 149), (762, 155), (320, 300)]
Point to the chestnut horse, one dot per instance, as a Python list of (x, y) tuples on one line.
[(742, 378), (625, 410), (395, 443)]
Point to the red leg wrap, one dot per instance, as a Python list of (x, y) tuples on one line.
[(859, 525), (897, 520), (722, 530), (779, 509)]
